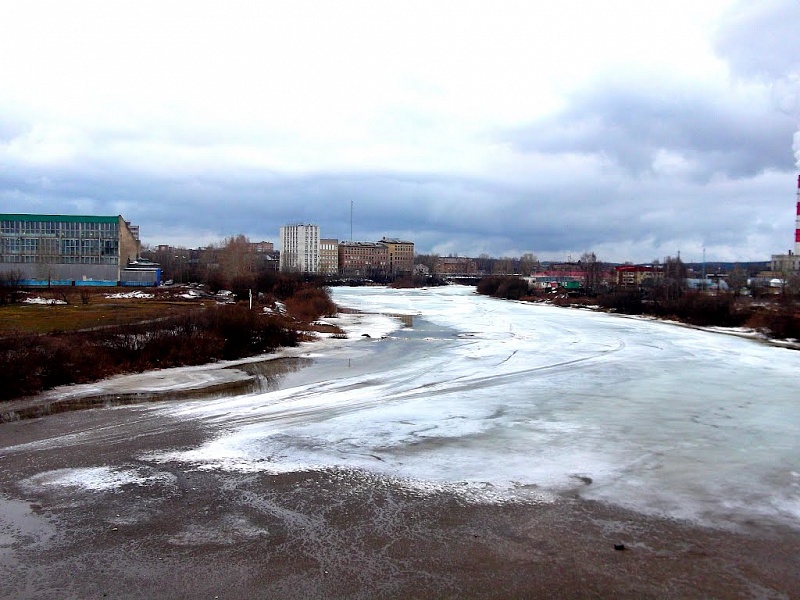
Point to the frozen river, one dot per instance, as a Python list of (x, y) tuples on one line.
[(504, 400)]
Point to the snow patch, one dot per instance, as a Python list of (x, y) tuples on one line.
[(96, 479), (46, 301), (135, 294)]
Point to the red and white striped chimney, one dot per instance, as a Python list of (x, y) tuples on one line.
[(797, 221)]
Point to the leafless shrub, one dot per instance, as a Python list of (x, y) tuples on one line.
[(511, 288), (31, 363), (778, 321), (310, 303), (10, 287), (61, 294)]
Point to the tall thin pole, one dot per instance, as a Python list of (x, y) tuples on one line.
[(704, 267), (351, 220)]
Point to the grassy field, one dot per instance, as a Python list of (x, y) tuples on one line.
[(100, 311)]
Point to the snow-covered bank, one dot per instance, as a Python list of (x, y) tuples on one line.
[(207, 378)]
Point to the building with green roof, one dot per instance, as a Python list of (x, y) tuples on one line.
[(70, 249)]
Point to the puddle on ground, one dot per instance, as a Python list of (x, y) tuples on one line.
[(20, 525)]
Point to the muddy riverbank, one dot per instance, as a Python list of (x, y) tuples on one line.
[(183, 383), (71, 528)]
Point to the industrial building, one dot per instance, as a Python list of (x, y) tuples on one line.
[(300, 247), (782, 265), (401, 255), (455, 265), (363, 259), (73, 250)]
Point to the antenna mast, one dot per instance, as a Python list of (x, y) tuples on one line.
[(351, 221)]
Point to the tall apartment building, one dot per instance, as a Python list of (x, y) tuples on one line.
[(401, 255), (71, 249), (300, 248), (328, 256)]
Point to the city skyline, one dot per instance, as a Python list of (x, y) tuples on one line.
[(634, 131)]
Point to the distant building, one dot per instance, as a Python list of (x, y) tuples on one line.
[(554, 278), (262, 247), (454, 265), (784, 264), (72, 250), (134, 229), (328, 256), (630, 275), (363, 259), (267, 258), (300, 248), (401, 255)]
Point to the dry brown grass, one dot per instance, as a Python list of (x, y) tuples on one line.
[(99, 312), (42, 346)]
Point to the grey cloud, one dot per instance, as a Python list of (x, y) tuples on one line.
[(630, 124), (464, 215), (437, 208)]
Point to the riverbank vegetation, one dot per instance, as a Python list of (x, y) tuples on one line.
[(49, 344), (777, 316)]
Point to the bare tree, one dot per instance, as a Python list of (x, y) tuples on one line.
[(429, 260), (237, 258), (737, 280), (591, 270), (792, 286), (176, 262), (674, 277), (485, 263), (526, 263), (61, 294), (503, 266)]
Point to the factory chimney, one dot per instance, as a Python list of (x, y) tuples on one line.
[(797, 221)]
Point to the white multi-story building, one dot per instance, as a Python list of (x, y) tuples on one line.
[(300, 248)]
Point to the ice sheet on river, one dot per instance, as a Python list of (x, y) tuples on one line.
[(519, 397)]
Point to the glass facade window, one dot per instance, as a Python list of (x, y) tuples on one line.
[(71, 240)]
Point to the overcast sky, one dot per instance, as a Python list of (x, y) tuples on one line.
[(634, 129)]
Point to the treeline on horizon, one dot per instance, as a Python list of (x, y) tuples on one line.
[(234, 263), (33, 363)]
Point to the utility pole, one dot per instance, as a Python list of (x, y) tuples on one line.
[(704, 268)]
